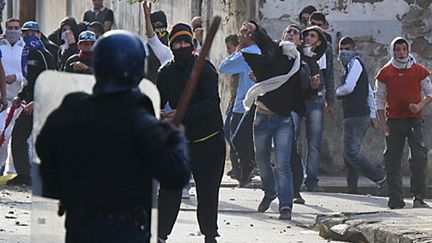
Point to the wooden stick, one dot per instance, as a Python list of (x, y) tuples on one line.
[(196, 71)]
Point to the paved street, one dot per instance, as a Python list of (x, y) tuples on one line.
[(15, 211), (238, 219)]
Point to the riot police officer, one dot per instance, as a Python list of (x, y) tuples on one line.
[(100, 152)]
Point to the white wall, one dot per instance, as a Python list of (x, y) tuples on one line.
[(379, 20)]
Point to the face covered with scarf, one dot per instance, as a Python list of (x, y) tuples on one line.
[(162, 34), (13, 32), (159, 23), (32, 40), (345, 56), (181, 42), (13, 36)]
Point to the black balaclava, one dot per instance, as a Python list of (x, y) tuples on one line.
[(161, 31), (181, 31)]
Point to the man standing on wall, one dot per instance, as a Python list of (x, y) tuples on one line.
[(101, 14)]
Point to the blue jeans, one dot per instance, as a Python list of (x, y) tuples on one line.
[(275, 181), (354, 130), (296, 160), (314, 127)]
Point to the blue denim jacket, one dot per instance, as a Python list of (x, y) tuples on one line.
[(236, 64)]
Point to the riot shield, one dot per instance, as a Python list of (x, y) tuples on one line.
[(50, 88)]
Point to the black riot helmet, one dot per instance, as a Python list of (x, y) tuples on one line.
[(119, 62)]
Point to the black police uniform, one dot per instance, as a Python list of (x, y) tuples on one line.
[(98, 157), (100, 152)]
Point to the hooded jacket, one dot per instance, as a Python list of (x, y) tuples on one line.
[(73, 48), (397, 63), (319, 51)]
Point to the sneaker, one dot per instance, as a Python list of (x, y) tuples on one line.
[(298, 200), (255, 172), (314, 188), (265, 204), (352, 191), (285, 214), (229, 173), (185, 193), (419, 203), (382, 183), (382, 187), (398, 205), (245, 184)]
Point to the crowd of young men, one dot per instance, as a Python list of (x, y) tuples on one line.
[(278, 85), (28, 52), (316, 92)]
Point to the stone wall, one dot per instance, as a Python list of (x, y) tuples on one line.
[(373, 24)]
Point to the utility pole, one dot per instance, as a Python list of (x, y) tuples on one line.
[(9, 8), (69, 7), (27, 10)]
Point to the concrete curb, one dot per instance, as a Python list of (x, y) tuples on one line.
[(363, 190), (401, 226)]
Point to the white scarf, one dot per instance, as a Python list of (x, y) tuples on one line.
[(261, 88), (403, 64)]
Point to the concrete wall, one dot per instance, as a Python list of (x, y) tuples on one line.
[(373, 23), (127, 16)]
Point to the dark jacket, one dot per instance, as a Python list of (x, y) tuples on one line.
[(77, 28), (356, 104), (51, 47), (101, 152), (203, 116), (78, 58), (105, 15), (38, 61), (288, 97), (54, 37), (73, 48), (72, 23)]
